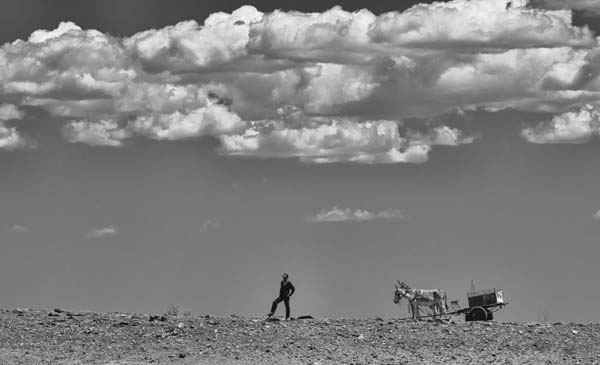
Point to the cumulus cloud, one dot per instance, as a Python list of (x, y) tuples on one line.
[(100, 133), (41, 35), (321, 140), (314, 142), (187, 45), (9, 111), (210, 120), (10, 138), (589, 6), (352, 75), (573, 127), (109, 231), (337, 35), (336, 214), (492, 24)]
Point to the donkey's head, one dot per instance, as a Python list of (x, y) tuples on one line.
[(399, 292)]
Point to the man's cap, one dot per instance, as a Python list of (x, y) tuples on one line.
[(285, 275)]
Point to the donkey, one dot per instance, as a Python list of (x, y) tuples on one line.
[(435, 299)]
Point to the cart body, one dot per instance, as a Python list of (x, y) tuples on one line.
[(482, 304)]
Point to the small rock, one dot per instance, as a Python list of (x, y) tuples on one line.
[(153, 318)]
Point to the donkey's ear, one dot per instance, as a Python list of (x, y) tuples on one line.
[(399, 283)]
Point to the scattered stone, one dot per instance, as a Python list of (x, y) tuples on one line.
[(31, 337)]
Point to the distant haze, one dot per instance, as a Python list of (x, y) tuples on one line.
[(188, 155)]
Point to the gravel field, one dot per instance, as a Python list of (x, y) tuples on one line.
[(30, 336)]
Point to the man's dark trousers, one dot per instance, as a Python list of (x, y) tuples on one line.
[(286, 301)]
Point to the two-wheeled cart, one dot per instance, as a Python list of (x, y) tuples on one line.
[(482, 305)]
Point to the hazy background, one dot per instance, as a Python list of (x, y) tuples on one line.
[(185, 226)]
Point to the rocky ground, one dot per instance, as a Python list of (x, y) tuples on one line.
[(63, 337)]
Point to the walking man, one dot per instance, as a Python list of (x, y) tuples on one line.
[(286, 290)]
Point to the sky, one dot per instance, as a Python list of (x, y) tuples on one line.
[(155, 154)]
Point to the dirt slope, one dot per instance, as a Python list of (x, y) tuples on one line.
[(52, 337)]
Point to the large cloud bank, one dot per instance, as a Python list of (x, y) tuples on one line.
[(322, 87)]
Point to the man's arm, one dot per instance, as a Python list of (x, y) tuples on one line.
[(293, 289)]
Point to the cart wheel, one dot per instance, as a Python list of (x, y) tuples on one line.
[(479, 314)]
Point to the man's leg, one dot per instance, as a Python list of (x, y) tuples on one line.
[(286, 301), (274, 305)]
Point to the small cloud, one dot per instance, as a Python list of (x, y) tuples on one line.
[(102, 232), (17, 228), (391, 214), (10, 138), (209, 224), (578, 126), (9, 111), (597, 215), (101, 133), (336, 214)]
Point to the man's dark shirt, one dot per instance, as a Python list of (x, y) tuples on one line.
[(286, 289)]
